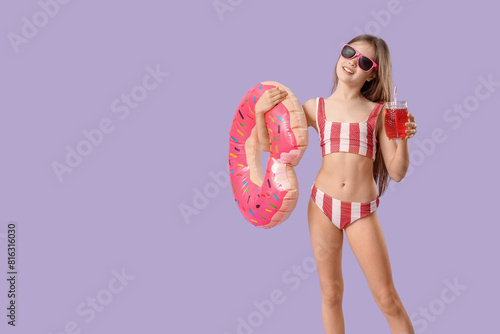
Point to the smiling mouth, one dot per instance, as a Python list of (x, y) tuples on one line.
[(347, 70)]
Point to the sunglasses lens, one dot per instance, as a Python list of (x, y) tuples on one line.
[(365, 63), (348, 52)]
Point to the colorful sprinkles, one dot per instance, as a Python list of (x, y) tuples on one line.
[(262, 210)]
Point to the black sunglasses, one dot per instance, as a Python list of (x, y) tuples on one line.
[(364, 62)]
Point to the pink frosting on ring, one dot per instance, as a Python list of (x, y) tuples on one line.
[(266, 199)]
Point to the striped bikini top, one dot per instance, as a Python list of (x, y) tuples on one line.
[(357, 138)]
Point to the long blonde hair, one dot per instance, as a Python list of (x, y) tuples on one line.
[(377, 90)]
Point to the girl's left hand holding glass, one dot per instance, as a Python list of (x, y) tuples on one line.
[(411, 126)]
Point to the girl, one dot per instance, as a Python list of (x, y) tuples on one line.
[(357, 154)]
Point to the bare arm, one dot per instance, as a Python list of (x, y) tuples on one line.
[(262, 132), (310, 110), (266, 102)]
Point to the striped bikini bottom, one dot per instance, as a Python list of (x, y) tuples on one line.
[(341, 213)]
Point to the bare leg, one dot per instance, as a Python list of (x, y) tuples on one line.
[(368, 245), (327, 241)]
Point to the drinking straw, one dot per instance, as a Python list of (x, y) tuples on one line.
[(395, 94)]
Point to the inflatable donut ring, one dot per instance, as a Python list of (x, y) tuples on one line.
[(267, 200)]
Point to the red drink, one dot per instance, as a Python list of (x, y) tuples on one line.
[(396, 117)]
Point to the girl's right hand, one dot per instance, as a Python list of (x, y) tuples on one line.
[(270, 99)]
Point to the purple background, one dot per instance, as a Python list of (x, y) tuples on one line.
[(120, 208)]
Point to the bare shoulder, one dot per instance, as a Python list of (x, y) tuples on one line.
[(371, 105), (310, 111)]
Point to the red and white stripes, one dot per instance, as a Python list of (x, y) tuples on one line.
[(359, 138), (341, 213)]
